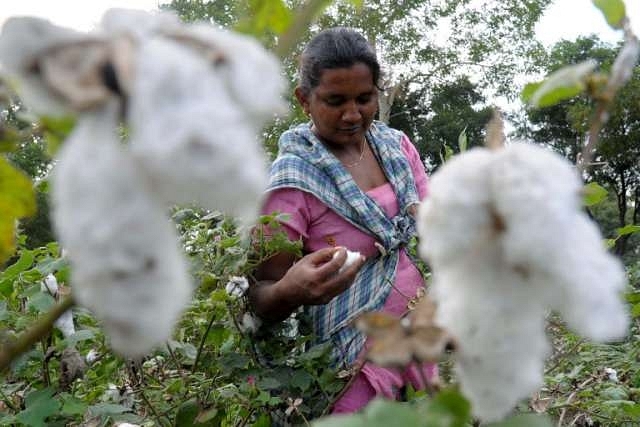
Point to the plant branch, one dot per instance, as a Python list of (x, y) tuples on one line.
[(202, 342), (40, 328), (300, 22)]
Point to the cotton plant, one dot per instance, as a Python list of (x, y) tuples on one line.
[(193, 99), (505, 235), (64, 323)]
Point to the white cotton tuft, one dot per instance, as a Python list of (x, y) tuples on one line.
[(188, 135), (138, 24), (253, 75), (237, 286), (64, 323), (22, 41), (352, 256), (126, 266), (507, 241)]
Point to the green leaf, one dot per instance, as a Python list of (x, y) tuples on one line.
[(107, 409), (81, 335), (17, 200), (449, 405), (41, 302), (524, 420), (593, 193), (73, 406), (562, 84), (266, 16), (24, 263), (635, 311), (39, 406), (613, 11), (628, 229), (268, 383), (301, 379), (462, 140), (187, 413), (56, 130), (206, 416), (529, 90)]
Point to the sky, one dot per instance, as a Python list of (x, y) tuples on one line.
[(564, 19)]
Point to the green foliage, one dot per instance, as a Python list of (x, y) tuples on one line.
[(16, 201), (593, 194), (614, 11), (560, 85)]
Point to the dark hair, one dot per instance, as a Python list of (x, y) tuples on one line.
[(337, 47)]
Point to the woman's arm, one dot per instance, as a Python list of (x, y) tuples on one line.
[(282, 284)]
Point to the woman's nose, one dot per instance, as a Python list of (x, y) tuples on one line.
[(351, 112)]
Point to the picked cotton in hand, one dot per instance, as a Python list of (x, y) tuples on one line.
[(507, 241), (126, 266), (352, 257)]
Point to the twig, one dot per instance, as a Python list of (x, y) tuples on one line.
[(40, 328), (571, 397), (152, 408), (202, 342), (557, 358), (300, 23), (356, 370)]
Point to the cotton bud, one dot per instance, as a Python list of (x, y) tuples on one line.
[(126, 265), (237, 286), (352, 257), (507, 240)]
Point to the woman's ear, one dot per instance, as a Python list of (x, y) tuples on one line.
[(302, 99)]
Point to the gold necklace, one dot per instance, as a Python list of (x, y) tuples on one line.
[(350, 165)]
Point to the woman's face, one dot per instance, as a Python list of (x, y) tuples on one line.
[(343, 105)]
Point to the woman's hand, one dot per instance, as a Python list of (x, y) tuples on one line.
[(283, 285), (316, 278)]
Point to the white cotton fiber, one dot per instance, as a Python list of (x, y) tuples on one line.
[(507, 241), (123, 250), (188, 135)]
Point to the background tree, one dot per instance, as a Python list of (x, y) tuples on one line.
[(435, 122), (564, 127)]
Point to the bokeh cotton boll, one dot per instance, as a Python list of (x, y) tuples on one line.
[(558, 243), (507, 240), (253, 76), (188, 136), (22, 41), (126, 266)]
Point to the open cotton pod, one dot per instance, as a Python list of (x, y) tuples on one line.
[(507, 240), (190, 138), (123, 250)]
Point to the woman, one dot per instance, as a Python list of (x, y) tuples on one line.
[(345, 181)]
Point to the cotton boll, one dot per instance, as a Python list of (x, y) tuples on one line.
[(49, 284), (507, 240), (455, 218), (126, 266), (549, 238), (499, 327), (22, 42), (188, 136), (138, 24), (253, 75)]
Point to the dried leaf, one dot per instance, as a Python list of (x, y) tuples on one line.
[(397, 342)]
